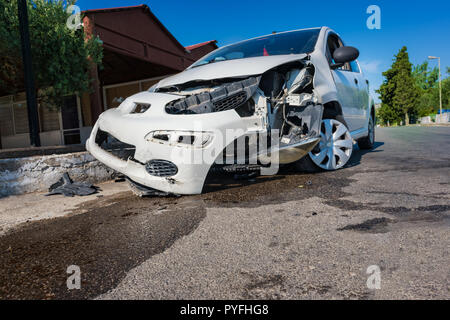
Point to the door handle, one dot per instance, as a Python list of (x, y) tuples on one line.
[(356, 81)]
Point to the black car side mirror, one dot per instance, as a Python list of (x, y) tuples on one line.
[(343, 55)]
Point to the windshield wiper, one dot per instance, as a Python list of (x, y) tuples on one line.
[(209, 62)]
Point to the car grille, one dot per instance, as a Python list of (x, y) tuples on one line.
[(231, 102), (161, 168), (114, 146)]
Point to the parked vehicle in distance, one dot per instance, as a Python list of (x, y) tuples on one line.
[(303, 91)]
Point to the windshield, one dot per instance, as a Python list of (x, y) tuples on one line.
[(295, 42)]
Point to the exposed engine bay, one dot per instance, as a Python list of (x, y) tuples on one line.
[(289, 102)]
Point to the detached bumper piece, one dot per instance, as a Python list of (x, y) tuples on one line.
[(68, 188), (144, 191)]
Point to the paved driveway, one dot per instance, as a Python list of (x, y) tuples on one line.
[(291, 236)]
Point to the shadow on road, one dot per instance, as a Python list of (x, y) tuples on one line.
[(217, 182), (358, 154)]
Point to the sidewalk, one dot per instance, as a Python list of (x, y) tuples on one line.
[(19, 209)]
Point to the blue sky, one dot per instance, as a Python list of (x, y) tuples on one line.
[(424, 27)]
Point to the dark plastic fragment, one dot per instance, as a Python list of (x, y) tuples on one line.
[(68, 188)]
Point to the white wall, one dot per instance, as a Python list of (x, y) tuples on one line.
[(31, 174)]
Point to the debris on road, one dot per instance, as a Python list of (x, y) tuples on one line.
[(308, 183), (246, 176), (143, 191), (68, 188)]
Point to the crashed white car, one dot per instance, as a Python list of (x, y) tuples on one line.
[(292, 97)]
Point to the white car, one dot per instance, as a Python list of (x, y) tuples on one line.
[(292, 97)]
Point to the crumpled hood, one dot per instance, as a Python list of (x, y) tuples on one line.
[(229, 69)]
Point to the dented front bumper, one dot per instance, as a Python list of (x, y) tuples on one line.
[(192, 161)]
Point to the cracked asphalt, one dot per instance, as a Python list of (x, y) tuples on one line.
[(290, 236)]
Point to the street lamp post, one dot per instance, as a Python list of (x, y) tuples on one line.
[(440, 85)]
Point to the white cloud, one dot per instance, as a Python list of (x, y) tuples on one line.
[(370, 67)]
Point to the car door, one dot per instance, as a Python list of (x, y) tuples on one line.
[(347, 85), (362, 97)]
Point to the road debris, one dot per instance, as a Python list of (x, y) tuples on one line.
[(68, 188), (246, 176), (143, 191)]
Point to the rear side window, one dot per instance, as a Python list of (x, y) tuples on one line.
[(355, 67)]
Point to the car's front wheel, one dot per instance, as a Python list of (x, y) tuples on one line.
[(333, 151)]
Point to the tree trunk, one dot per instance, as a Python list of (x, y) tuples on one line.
[(406, 119)]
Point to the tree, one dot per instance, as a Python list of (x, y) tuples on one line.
[(428, 82), (399, 92), (387, 115), (62, 57), (425, 77)]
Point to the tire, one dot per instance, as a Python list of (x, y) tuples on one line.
[(368, 141), (305, 164), (332, 152)]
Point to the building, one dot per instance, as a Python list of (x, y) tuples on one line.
[(138, 51)]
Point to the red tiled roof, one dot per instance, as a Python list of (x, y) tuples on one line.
[(146, 9), (113, 9), (198, 45)]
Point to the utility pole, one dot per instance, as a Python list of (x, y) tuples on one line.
[(33, 119)]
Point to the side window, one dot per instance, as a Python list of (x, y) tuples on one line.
[(333, 43), (355, 67)]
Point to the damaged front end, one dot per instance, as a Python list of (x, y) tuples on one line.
[(169, 138), (282, 98)]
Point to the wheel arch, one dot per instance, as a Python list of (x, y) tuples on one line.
[(333, 110), (372, 113)]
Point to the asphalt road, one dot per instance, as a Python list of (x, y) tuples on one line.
[(290, 236)]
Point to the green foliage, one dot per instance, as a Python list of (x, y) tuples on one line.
[(426, 102), (386, 115), (428, 81), (399, 92), (411, 92), (445, 93), (425, 77), (61, 57)]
